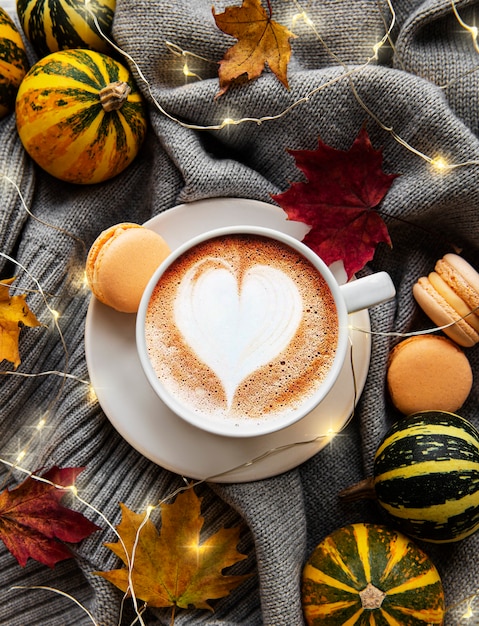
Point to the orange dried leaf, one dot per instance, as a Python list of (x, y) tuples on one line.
[(172, 568), (14, 313), (261, 40)]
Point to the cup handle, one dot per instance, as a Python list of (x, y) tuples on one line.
[(367, 291)]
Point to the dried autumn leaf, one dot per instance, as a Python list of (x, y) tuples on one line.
[(33, 523), (14, 313), (261, 40), (172, 568), (339, 201)]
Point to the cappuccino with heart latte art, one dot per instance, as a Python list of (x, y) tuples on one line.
[(241, 327)]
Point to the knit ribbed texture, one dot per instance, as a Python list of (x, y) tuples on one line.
[(427, 214)]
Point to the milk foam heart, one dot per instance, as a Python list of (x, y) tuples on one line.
[(240, 327), (236, 324)]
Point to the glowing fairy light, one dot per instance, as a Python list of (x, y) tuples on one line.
[(92, 395), (188, 73), (347, 74), (41, 424), (296, 18), (301, 16), (376, 48), (20, 456), (184, 55), (440, 163), (472, 30)]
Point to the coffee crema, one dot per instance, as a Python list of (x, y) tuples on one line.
[(241, 326)]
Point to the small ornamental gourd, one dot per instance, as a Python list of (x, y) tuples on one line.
[(366, 574), (52, 25), (80, 116), (13, 62), (426, 477)]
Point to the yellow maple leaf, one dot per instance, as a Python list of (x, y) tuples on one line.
[(261, 40), (14, 313), (172, 568)]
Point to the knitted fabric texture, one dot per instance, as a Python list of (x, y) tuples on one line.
[(423, 89)]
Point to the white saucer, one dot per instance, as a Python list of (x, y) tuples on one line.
[(156, 432)]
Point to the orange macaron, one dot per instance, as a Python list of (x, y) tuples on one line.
[(120, 263), (428, 372), (450, 297)]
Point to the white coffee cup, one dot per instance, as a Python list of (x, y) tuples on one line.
[(243, 330)]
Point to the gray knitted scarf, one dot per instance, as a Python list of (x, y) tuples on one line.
[(424, 90)]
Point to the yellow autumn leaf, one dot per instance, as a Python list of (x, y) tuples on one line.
[(172, 568), (261, 40), (14, 313)]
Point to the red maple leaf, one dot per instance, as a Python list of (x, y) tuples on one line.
[(34, 524), (339, 201)]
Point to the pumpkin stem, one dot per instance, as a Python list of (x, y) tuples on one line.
[(359, 491), (114, 95), (371, 597)]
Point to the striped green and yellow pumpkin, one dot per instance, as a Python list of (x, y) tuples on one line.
[(426, 476), (370, 575), (80, 116), (13, 62), (52, 25)]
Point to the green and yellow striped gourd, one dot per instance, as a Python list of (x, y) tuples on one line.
[(52, 25), (426, 476), (370, 575), (13, 62), (80, 116)]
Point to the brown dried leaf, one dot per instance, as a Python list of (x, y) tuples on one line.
[(261, 40)]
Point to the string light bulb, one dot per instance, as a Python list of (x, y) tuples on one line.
[(41, 424), (92, 395), (20, 456), (188, 73), (472, 30), (440, 163), (302, 16), (376, 48)]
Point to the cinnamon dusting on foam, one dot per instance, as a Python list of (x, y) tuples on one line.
[(283, 382)]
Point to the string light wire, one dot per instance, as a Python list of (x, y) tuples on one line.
[(61, 593), (472, 30), (38, 219), (438, 162), (348, 74), (56, 324)]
